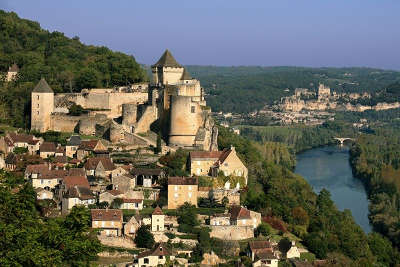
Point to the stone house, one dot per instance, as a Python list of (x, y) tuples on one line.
[(262, 254), (211, 259), (154, 257), (132, 226), (121, 170), (147, 177), (108, 220), (123, 182), (49, 179), (12, 140), (241, 216), (99, 167), (72, 146), (11, 161), (109, 196), (220, 219), (35, 170), (131, 204), (77, 195), (60, 151), (71, 181), (157, 220), (12, 73), (47, 149), (212, 162), (181, 190), (88, 147)]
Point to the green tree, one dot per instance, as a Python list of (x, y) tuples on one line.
[(144, 238), (158, 148)]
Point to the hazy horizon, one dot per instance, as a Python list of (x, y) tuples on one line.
[(359, 33)]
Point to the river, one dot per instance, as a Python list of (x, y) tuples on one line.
[(328, 167)]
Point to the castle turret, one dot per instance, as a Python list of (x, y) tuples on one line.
[(42, 106), (167, 70)]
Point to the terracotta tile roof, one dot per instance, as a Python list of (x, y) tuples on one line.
[(88, 145), (80, 192), (92, 163), (22, 138), (13, 68), (71, 181), (212, 155), (74, 161), (158, 211), (47, 147), (77, 172), (114, 192), (106, 215), (259, 244), (144, 171), (158, 250), (204, 188), (265, 256), (54, 174), (182, 181), (60, 149), (36, 168), (60, 159), (238, 212)]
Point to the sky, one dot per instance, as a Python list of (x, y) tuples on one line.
[(315, 33)]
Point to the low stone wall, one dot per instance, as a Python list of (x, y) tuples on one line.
[(64, 123), (117, 241), (231, 232)]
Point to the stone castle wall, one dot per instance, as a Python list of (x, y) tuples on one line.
[(65, 123)]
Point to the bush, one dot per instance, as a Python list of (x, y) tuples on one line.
[(144, 238), (263, 229)]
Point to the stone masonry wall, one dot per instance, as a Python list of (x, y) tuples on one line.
[(231, 232)]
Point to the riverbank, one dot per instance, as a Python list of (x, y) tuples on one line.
[(329, 167)]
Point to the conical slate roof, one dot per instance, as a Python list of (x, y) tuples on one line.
[(167, 60), (186, 75), (42, 87)]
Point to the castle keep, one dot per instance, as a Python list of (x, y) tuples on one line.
[(172, 103)]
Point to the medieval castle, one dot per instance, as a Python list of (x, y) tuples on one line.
[(173, 103)]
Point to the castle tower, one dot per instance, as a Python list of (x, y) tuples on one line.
[(167, 70), (12, 73), (42, 106), (157, 220)]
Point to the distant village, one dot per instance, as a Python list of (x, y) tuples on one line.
[(109, 163)]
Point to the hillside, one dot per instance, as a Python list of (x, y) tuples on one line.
[(246, 88), (67, 64)]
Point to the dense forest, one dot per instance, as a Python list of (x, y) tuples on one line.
[(245, 89), (291, 205), (67, 64), (376, 161)]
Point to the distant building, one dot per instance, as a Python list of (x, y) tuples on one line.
[(181, 190), (12, 73), (157, 220), (72, 146), (157, 256)]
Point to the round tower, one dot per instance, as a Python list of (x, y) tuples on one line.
[(42, 106), (185, 121)]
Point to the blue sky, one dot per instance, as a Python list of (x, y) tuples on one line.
[(215, 32)]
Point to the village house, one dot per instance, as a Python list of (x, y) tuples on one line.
[(99, 167), (181, 190), (132, 225), (121, 170), (60, 151), (13, 140), (131, 204), (12, 73), (88, 147), (47, 149), (203, 163), (262, 254), (220, 219), (147, 177), (123, 182), (154, 257), (241, 216), (71, 181), (211, 259), (109, 196), (11, 161), (77, 195), (72, 146), (34, 170), (157, 220), (293, 252), (108, 220)]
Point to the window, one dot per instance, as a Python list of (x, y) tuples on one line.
[(38, 112), (146, 260), (190, 194), (41, 181), (160, 257), (176, 195), (38, 97), (96, 223), (176, 188), (112, 223), (190, 188), (193, 109), (103, 224), (38, 105)]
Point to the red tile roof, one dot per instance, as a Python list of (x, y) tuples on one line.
[(92, 163), (88, 145), (47, 147), (212, 155), (238, 212), (106, 215), (158, 250), (158, 211), (259, 244), (36, 168), (132, 200), (182, 181), (114, 192), (22, 138), (71, 181)]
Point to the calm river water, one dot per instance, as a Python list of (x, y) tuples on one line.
[(328, 167)]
